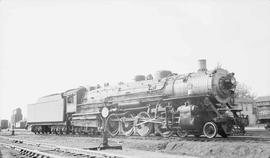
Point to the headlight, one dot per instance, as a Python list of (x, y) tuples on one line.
[(233, 81)]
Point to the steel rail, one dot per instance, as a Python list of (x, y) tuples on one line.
[(29, 152), (75, 151)]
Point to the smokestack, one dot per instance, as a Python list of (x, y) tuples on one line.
[(202, 65)]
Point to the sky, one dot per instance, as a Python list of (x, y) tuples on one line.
[(50, 46)]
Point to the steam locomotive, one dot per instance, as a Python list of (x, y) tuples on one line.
[(198, 103)]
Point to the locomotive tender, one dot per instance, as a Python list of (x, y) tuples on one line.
[(198, 103)]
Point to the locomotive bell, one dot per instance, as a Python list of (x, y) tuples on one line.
[(202, 65), (162, 74)]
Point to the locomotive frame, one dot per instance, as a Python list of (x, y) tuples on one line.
[(163, 117)]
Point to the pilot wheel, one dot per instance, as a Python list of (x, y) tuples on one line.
[(210, 129)]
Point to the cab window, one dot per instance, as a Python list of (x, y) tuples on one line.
[(70, 99)]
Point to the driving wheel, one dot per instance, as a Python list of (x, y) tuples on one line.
[(142, 125), (161, 128), (112, 124), (181, 133), (127, 124)]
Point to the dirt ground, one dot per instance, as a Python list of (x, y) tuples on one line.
[(144, 147), (5, 153)]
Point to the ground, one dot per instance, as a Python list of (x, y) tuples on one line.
[(164, 147)]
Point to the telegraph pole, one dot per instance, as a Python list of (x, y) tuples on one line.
[(13, 122), (105, 135), (12, 130)]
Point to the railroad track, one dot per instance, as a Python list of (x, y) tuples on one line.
[(28, 152), (34, 149), (249, 138), (245, 138), (44, 150)]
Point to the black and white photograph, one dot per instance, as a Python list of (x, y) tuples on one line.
[(134, 79)]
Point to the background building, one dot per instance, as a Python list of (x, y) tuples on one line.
[(263, 100), (248, 108), (4, 124), (16, 116), (263, 109)]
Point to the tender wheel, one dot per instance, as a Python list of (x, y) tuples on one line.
[(64, 130), (60, 132), (39, 130), (267, 126), (34, 129), (73, 132), (143, 127), (181, 133), (54, 130), (77, 131), (127, 124), (112, 125), (210, 129)]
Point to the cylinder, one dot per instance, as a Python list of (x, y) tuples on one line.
[(202, 65)]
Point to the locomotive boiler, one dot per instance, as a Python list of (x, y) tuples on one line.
[(198, 103)]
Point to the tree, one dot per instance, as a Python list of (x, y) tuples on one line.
[(243, 91)]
